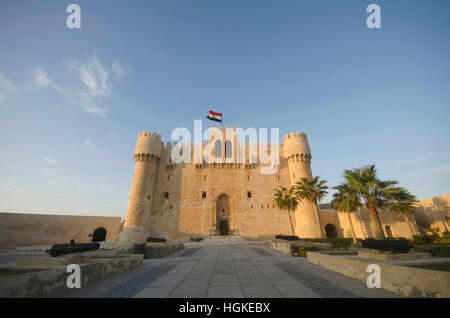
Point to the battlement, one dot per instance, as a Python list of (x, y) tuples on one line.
[(295, 145), (149, 144), (294, 135)]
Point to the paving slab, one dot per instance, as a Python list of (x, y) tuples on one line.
[(235, 270)]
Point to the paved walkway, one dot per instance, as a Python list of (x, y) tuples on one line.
[(244, 270)]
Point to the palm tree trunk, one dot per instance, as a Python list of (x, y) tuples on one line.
[(351, 225), (290, 220), (318, 220), (375, 223)]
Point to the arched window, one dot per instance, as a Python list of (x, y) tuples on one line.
[(166, 195), (249, 194), (218, 149), (228, 149), (389, 231), (203, 195)]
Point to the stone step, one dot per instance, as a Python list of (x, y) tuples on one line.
[(224, 240)]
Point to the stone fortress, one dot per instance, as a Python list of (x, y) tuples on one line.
[(198, 199), (180, 201)]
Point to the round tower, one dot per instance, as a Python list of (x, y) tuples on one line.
[(297, 152), (146, 159)]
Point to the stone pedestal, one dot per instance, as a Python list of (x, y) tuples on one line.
[(74, 258), (386, 256)]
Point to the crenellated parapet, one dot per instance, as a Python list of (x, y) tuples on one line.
[(296, 148), (149, 146)]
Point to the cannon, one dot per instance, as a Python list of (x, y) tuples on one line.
[(393, 246), (155, 240), (72, 247), (287, 237)]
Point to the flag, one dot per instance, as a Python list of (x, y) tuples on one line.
[(214, 116)]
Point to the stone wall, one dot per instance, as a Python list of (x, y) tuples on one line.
[(434, 212), (22, 229), (187, 213)]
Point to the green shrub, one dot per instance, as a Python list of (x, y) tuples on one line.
[(396, 238), (337, 242), (422, 239), (437, 250), (340, 242)]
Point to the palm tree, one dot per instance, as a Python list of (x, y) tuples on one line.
[(286, 200), (345, 200), (312, 190), (405, 204), (374, 193)]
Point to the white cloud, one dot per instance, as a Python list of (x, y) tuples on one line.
[(412, 174), (42, 80), (400, 162), (7, 88), (13, 188), (94, 84), (95, 78), (445, 168), (55, 183), (117, 69), (50, 161), (82, 188), (99, 188), (93, 148)]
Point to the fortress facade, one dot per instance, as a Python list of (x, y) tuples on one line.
[(199, 198), (227, 197)]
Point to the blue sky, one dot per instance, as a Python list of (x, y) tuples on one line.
[(72, 101)]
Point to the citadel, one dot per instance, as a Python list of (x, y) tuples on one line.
[(228, 192), (198, 198)]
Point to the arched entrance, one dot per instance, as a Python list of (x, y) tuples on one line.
[(223, 214), (331, 230), (99, 235)]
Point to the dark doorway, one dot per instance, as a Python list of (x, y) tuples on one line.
[(331, 230), (99, 235), (223, 214), (389, 231), (223, 227)]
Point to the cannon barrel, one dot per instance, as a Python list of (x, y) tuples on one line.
[(394, 246), (72, 247), (155, 240), (287, 237)]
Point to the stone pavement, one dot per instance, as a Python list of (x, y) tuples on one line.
[(238, 270)]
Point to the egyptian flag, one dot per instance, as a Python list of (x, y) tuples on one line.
[(214, 116)]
